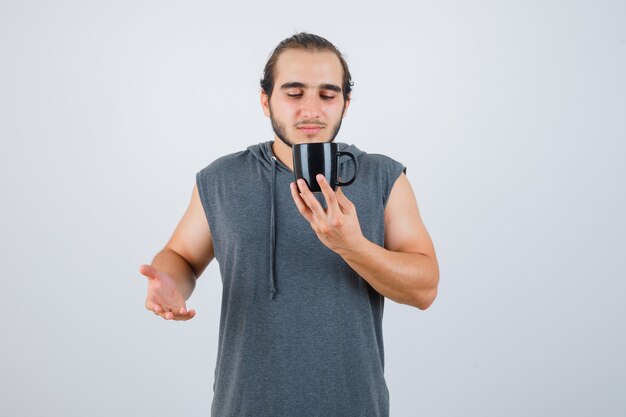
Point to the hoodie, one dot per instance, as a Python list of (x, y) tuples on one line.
[(300, 331)]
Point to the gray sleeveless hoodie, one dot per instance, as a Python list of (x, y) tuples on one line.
[(300, 331)]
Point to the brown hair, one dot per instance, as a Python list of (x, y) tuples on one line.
[(306, 41)]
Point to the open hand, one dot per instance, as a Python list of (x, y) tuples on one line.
[(163, 297)]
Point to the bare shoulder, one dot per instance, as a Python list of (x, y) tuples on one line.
[(192, 237), (404, 228)]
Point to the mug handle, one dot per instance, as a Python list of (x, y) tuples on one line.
[(356, 167)]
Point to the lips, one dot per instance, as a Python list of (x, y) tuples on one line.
[(309, 129)]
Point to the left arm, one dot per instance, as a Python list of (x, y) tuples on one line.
[(406, 269)]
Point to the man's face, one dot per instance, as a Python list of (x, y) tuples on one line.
[(307, 102)]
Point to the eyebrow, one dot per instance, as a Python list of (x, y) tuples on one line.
[(297, 84)]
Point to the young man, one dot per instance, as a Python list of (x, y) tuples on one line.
[(303, 285)]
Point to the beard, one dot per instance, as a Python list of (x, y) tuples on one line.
[(281, 131)]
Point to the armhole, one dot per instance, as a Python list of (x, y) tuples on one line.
[(203, 189), (393, 170)]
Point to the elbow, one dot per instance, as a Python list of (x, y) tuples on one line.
[(425, 299)]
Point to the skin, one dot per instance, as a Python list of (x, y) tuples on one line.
[(307, 93), (305, 107)]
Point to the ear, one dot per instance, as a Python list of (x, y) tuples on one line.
[(346, 105), (265, 103)]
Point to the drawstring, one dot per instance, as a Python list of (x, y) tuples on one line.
[(273, 232)]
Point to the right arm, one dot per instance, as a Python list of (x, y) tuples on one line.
[(174, 270)]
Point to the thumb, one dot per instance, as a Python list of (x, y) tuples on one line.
[(149, 271)]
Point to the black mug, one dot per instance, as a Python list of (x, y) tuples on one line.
[(310, 159)]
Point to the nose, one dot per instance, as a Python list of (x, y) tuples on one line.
[(310, 107)]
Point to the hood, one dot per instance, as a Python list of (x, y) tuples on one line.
[(265, 156)]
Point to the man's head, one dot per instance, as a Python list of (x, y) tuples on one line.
[(305, 89)]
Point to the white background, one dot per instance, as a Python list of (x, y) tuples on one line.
[(510, 117)]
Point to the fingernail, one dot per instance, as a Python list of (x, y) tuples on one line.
[(320, 177)]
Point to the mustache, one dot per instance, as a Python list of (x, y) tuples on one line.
[(310, 123)]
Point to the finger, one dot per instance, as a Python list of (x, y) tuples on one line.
[(346, 205), (166, 314), (309, 199), (300, 204), (176, 313), (183, 312), (187, 313), (157, 309), (148, 271), (329, 194), (183, 318), (151, 306)]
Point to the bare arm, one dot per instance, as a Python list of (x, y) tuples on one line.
[(174, 270), (177, 267), (406, 269)]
